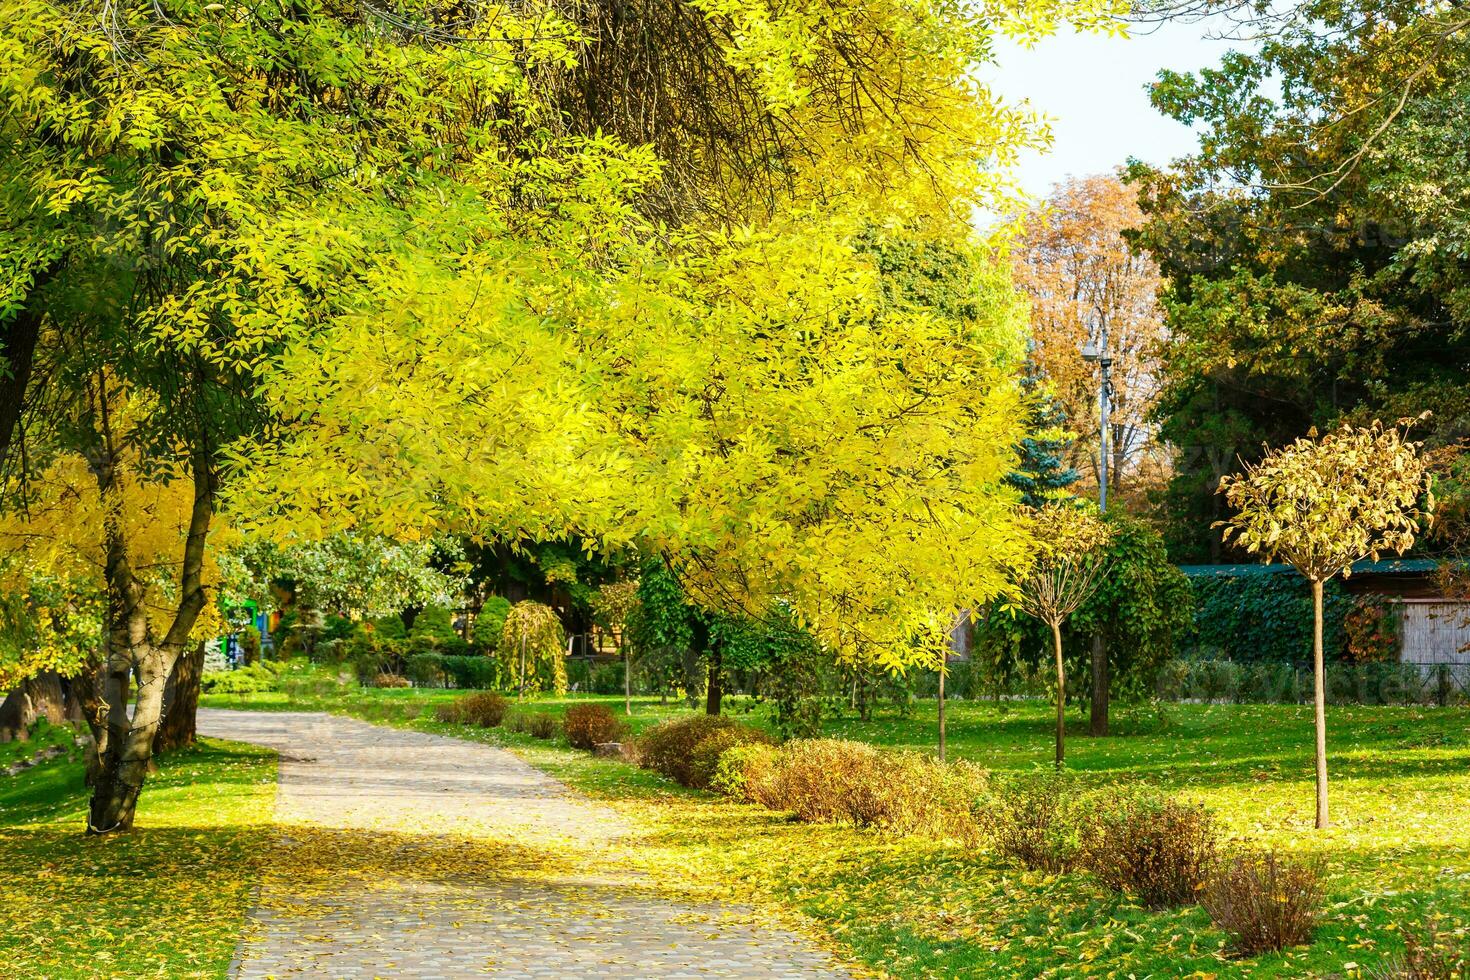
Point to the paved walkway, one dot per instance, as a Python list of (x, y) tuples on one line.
[(403, 854)]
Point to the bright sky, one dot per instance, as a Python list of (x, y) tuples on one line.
[(1094, 88)]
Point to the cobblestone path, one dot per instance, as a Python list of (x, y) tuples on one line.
[(404, 854)]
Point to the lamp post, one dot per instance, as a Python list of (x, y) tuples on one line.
[(1098, 354)]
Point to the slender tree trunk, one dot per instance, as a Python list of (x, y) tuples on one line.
[(715, 688), (1320, 706), (942, 672), (1097, 722), (627, 680), (1056, 639), (521, 689), (181, 703)]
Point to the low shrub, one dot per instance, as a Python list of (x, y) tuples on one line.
[(588, 725), (485, 710), (1155, 848), (829, 780), (1266, 902), (668, 748), (543, 725), (1427, 955), (391, 680), (743, 770), (704, 758), (1031, 819), (243, 680)]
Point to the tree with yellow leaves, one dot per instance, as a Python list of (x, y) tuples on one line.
[(1321, 504), (531, 649), (1068, 565), (522, 272)]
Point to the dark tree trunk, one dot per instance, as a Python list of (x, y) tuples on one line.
[(43, 696), (1097, 722), (694, 677), (18, 338), (715, 689), (180, 703)]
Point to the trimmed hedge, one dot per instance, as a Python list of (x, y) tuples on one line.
[(446, 670)]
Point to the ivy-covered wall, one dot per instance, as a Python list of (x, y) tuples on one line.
[(1261, 614)]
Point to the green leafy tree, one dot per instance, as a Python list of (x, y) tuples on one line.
[(1322, 504), (1310, 244)]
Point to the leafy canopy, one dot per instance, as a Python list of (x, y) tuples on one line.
[(1322, 504)]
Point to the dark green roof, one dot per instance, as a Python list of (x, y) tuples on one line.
[(1392, 566)]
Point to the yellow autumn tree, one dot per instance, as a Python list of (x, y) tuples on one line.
[(1069, 563), (531, 649)]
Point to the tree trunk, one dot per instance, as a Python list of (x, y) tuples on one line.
[(41, 696), (124, 754), (715, 688), (1097, 722), (129, 749), (1320, 706), (627, 681), (942, 672), (1056, 639), (180, 703)]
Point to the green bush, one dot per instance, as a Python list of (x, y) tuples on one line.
[(590, 725), (704, 758), (1150, 846), (1262, 613), (742, 770), (388, 627), (433, 629), (490, 623), (668, 748), (245, 680)]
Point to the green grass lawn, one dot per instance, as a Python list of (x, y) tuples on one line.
[(1399, 855), (166, 900)]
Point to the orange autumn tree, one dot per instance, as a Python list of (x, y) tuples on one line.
[(1083, 279)]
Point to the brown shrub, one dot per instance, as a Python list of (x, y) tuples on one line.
[(1266, 902), (390, 680), (1427, 955), (487, 710), (1031, 820), (828, 780), (1157, 849), (668, 747), (588, 725), (851, 782)]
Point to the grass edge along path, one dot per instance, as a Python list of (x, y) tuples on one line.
[(918, 908), (167, 900)]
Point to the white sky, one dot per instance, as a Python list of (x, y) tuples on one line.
[(1094, 88)]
